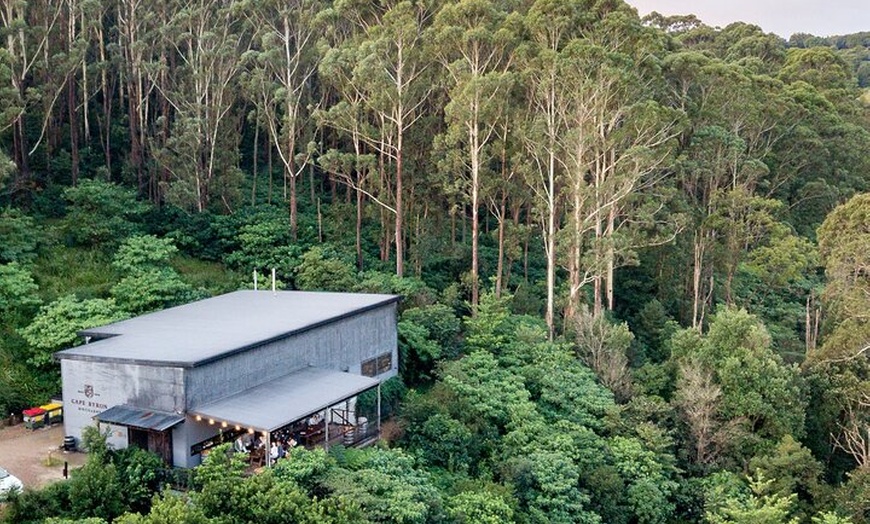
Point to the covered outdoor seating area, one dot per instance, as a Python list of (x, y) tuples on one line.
[(312, 407)]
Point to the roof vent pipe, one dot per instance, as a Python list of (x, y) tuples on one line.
[(273, 280), (255, 280)]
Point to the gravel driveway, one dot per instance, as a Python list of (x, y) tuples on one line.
[(23, 453)]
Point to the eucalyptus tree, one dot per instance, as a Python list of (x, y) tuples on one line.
[(628, 149), (475, 42), (207, 39), (546, 66), (28, 28), (280, 80), (137, 53), (380, 74), (843, 357), (730, 135)]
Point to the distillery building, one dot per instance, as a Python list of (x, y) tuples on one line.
[(254, 364)]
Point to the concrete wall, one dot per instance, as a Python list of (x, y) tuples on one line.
[(186, 435), (90, 388), (338, 345)]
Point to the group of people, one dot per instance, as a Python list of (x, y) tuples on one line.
[(279, 449), (282, 440)]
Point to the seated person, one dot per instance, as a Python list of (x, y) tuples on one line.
[(239, 445), (273, 452)]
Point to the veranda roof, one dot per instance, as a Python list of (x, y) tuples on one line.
[(275, 404)]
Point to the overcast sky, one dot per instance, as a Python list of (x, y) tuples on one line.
[(783, 17)]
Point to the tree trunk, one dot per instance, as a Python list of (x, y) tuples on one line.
[(499, 271), (294, 228), (400, 249), (73, 128), (611, 219), (697, 261), (475, 220)]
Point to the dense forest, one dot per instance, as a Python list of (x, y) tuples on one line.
[(633, 252)]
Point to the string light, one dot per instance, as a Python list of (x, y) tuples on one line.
[(224, 424), (211, 421), (198, 418)]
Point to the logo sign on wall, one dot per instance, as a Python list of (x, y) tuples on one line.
[(88, 404)]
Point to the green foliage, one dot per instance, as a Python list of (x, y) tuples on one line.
[(95, 442), (487, 328), (18, 293), (34, 506), (169, 508), (139, 253), (479, 507), (263, 242), (393, 392), (852, 498), (84, 272), (148, 281), (150, 290), (101, 214), (758, 508), (417, 352), (56, 325), (444, 442), (792, 470), (415, 293), (488, 392), (21, 236), (89, 520), (96, 491), (547, 488), (751, 143), (307, 469), (388, 487), (139, 473), (830, 518), (323, 269), (755, 385), (652, 330), (649, 486)]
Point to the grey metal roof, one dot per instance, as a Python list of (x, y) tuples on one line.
[(287, 399), (131, 416), (203, 331)]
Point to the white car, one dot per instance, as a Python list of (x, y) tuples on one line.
[(8, 482)]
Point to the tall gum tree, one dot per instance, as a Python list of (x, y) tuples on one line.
[(546, 65), (28, 27), (280, 77), (380, 74), (844, 244), (207, 39), (475, 42)]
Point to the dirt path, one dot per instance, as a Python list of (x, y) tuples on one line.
[(24, 453)]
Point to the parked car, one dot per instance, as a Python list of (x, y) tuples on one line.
[(8, 482)]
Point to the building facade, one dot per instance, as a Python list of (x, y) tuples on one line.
[(180, 380)]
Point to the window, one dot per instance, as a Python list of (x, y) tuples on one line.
[(378, 365)]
